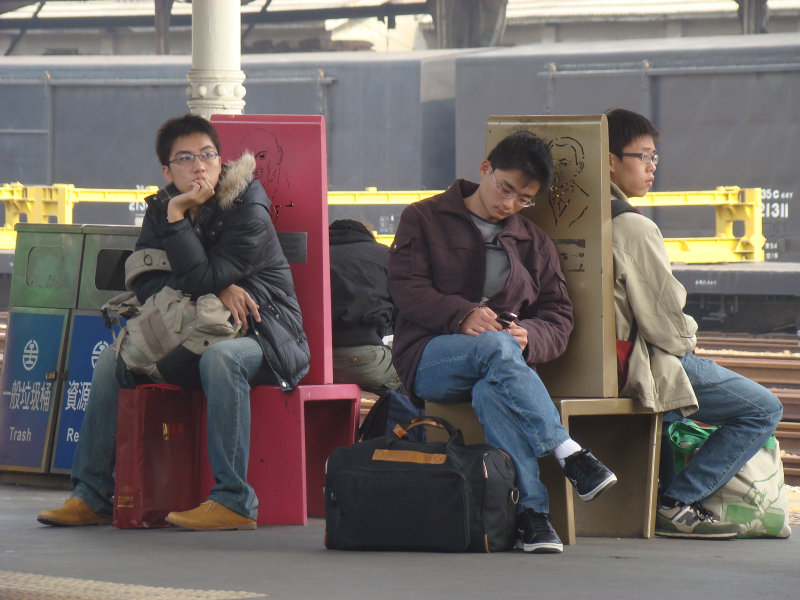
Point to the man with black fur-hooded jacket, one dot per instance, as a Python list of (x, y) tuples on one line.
[(213, 223)]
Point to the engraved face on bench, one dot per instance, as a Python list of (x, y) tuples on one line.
[(568, 200), (268, 152)]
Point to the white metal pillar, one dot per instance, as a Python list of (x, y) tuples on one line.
[(216, 78)]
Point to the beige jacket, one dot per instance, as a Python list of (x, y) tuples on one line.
[(644, 287)]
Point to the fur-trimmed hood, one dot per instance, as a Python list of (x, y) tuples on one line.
[(236, 176)]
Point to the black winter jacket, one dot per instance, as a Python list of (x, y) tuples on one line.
[(232, 240), (360, 304)]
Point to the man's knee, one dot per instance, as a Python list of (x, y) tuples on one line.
[(105, 362), (105, 369), (764, 405), (104, 387), (772, 405), (500, 346), (218, 357), (234, 363)]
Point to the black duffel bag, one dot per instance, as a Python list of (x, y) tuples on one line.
[(389, 493)]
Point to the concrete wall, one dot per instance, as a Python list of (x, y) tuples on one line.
[(92, 121), (726, 108)]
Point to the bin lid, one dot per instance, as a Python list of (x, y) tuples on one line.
[(110, 230), (46, 228)]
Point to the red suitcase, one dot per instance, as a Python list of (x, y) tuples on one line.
[(156, 461)]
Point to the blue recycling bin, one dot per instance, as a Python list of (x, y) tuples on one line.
[(105, 248), (62, 275)]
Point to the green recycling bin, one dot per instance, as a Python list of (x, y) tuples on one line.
[(47, 266), (105, 249)]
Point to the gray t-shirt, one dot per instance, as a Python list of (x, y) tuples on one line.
[(497, 265)]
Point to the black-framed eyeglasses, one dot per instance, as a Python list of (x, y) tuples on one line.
[(186, 158), (521, 202), (643, 156)]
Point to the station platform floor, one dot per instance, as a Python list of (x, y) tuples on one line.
[(290, 562)]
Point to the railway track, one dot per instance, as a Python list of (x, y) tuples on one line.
[(788, 434), (790, 398), (779, 343), (771, 372)]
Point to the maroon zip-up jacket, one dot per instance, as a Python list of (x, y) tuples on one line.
[(436, 274)]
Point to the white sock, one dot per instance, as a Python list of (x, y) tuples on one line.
[(565, 449)]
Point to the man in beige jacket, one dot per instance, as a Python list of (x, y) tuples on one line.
[(663, 371)]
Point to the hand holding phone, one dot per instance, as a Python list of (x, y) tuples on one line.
[(506, 319)]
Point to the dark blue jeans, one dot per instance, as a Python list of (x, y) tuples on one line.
[(746, 413), (508, 396)]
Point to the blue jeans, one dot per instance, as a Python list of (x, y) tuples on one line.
[(508, 396), (227, 369), (746, 413)]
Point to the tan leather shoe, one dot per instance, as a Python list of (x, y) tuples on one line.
[(73, 513), (210, 516)]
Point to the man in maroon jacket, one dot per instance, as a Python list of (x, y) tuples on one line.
[(482, 301)]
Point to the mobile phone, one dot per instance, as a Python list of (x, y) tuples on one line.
[(506, 319)]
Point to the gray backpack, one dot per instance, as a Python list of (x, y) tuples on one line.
[(164, 337)]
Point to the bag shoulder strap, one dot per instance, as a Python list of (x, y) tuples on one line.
[(122, 305), (620, 206), (374, 424)]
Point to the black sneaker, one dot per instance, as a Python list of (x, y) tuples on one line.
[(536, 534), (588, 475), (692, 521)]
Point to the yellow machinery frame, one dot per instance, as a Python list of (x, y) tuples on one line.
[(53, 204), (732, 204)]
